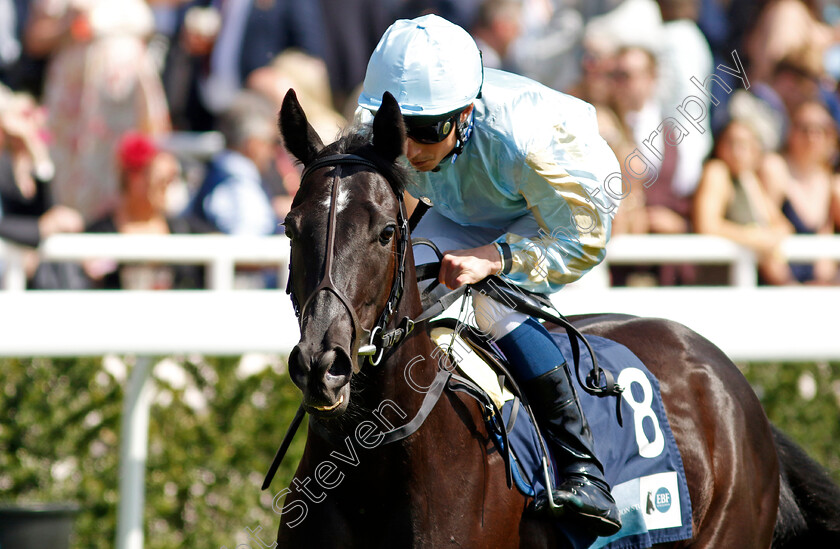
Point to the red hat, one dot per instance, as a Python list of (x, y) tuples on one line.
[(135, 151)]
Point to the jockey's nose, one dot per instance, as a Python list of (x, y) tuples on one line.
[(412, 149)]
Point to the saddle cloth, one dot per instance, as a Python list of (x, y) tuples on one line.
[(641, 460)]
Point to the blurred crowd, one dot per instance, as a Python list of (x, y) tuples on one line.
[(724, 115)]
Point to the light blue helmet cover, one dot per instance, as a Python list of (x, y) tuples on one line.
[(431, 66)]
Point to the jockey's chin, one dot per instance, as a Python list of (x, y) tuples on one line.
[(424, 165)]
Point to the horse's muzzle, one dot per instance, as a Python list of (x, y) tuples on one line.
[(323, 377)]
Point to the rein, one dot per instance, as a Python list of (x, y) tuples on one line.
[(599, 382)]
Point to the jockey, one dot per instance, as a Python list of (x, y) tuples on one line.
[(513, 171)]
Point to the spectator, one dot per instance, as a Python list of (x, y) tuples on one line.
[(732, 202), (145, 175), (667, 198), (801, 182), (547, 47), (668, 32), (232, 196), (641, 112), (100, 83), (22, 121), (784, 28), (308, 76), (597, 65), (635, 23), (167, 18), (17, 69), (187, 60), (684, 54), (26, 211), (353, 28), (794, 80), (244, 37), (596, 87), (497, 27)]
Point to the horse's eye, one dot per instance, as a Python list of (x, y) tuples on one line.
[(387, 234), (287, 230)]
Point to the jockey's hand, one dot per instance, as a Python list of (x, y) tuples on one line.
[(459, 267)]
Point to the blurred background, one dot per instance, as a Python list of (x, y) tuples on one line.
[(139, 153)]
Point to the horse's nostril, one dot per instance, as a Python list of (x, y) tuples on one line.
[(298, 367), (341, 366)]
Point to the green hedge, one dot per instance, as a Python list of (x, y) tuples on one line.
[(214, 429), (213, 433), (804, 401)]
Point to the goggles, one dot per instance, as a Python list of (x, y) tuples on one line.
[(430, 133)]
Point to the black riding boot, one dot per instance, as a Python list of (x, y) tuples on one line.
[(582, 491)]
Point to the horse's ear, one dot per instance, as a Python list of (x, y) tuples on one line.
[(388, 129), (300, 138)]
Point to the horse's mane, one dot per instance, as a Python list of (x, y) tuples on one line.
[(358, 139)]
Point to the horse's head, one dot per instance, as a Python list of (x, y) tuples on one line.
[(349, 241)]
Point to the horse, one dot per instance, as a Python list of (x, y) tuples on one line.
[(352, 275)]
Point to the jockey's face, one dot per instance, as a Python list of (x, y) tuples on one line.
[(425, 157)]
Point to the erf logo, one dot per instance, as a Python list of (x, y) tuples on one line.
[(662, 500)]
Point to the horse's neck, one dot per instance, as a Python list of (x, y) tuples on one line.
[(406, 369), (390, 476)]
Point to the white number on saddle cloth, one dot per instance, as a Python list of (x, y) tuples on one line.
[(641, 411)]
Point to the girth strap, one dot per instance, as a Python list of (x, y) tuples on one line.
[(492, 418)]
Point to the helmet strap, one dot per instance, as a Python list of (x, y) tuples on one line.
[(463, 131)]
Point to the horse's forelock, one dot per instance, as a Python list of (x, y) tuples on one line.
[(357, 139)]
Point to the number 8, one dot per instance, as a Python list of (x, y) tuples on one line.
[(642, 410)]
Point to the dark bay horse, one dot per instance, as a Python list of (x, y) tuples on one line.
[(444, 486)]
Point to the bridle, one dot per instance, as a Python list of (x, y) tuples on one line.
[(378, 338)]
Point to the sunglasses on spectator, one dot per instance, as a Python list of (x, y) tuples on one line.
[(429, 134)]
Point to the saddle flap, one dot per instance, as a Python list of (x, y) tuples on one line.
[(470, 363)]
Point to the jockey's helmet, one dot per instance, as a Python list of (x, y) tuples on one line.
[(431, 66)]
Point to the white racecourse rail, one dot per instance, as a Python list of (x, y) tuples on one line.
[(796, 324), (747, 322), (743, 319)]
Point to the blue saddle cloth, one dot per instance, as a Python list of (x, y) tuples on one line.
[(641, 460)]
